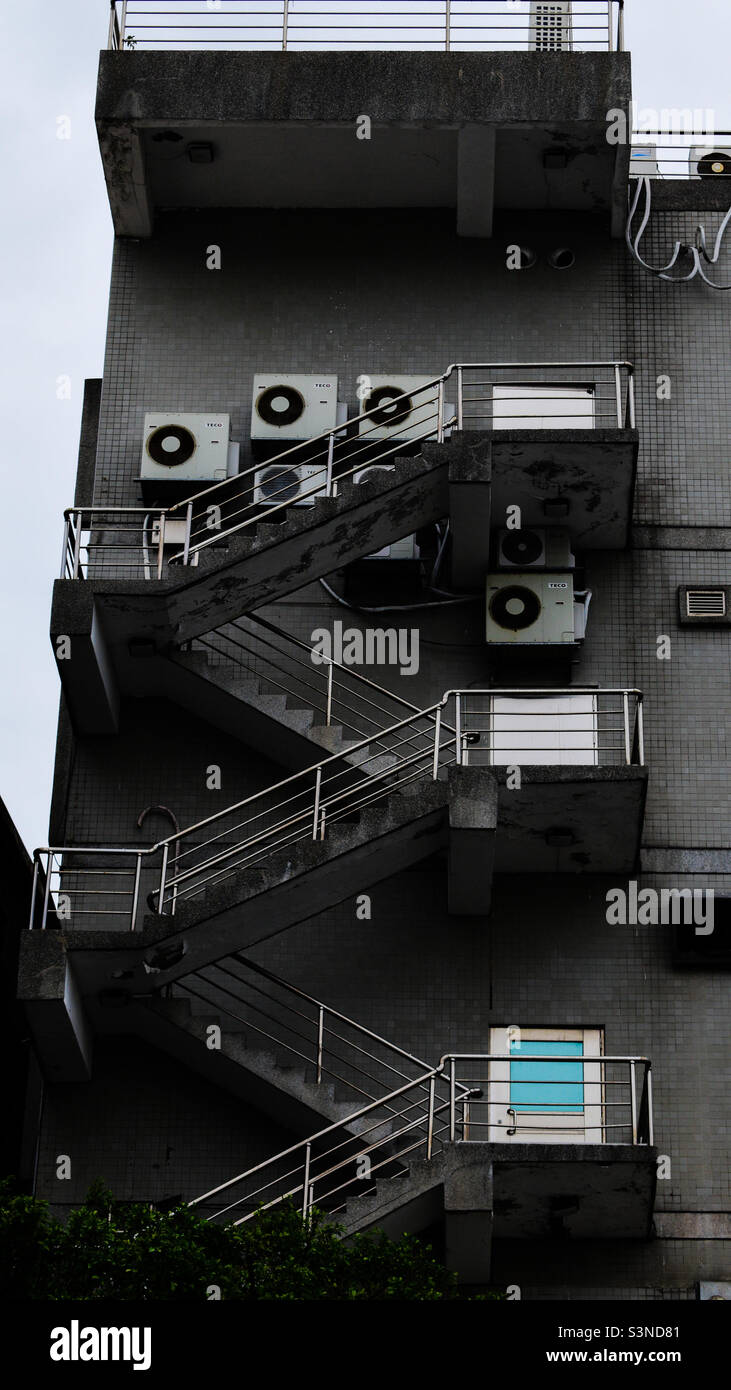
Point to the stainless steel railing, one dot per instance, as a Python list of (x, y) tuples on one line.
[(581, 726), (299, 1028), (460, 25), (130, 542), (74, 882), (256, 648), (468, 1097), (672, 154)]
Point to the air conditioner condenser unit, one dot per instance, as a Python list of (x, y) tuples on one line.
[(293, 407), (187, 448), (710, 162), (402, 407), (294, 484), (404, 549), (530, 608), (540, 548)]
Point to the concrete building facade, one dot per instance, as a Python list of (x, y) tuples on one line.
[(464, 915)]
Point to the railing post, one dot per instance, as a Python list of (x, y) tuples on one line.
[(618, 391), (330, 670), (77, 545), (460, 413), (330, 454), (136, 891), (633, 1096), (430, 1125), (465, 1120), (640, 732), (33, 891), (610, 18), (648, 1086), (46, 895), (160, 544), (458, 726), (631, 396), (316, 811), (627, 743), (620, 28), (437, 737), (65, 547), (452, 1085), (440, 412), (188, 529), (306, 1179), (285, 24), (448, 24), (163, 874), (320, 1038)]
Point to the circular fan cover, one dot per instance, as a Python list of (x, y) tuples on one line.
[(384, 408), (279, 484), (171, 445), (515, 607), (712, 165), (522, 547), (280, 405)]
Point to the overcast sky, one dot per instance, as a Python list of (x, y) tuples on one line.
[(55, 266)]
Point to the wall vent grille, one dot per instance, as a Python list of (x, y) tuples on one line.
[(705, 603)]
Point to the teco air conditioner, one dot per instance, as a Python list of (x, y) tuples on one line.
[(187, 448), (539, 548), (401, 408), (292, 407), (643, 160), (550, 26), (530, 608), (295, 484), (559, 407), (710, 162)]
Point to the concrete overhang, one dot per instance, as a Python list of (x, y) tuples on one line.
[(570, 820), (583, 480), (573, 1191), (52, 997), (473, 131)]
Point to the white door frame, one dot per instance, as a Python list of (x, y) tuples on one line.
[(552, 1127)]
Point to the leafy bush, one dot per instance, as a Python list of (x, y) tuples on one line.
[(112, 1250)]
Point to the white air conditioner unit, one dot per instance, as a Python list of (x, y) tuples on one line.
[(364, 475), (401, 407), (540, 548), (643, 160), (550, 26), (521, 407), (403, 549), (295, 484), (530, 608), (710, 161), (187, 448), (174, 533), (290, 406)]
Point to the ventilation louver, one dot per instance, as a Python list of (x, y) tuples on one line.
[(705, 604)]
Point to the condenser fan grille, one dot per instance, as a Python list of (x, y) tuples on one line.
[(171, 445), (522, 547), (277, 484), (715, 164), (384, 408), (280, 405), (515, 607)]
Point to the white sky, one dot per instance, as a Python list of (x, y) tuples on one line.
[(57, 239)]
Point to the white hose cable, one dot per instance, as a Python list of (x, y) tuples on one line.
[(643, 184), (394, 608), (694, 251)]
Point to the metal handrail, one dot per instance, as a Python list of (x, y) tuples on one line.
[(340, 446), (594, 25), (307, 802), (319, 1148), (672, 151)]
